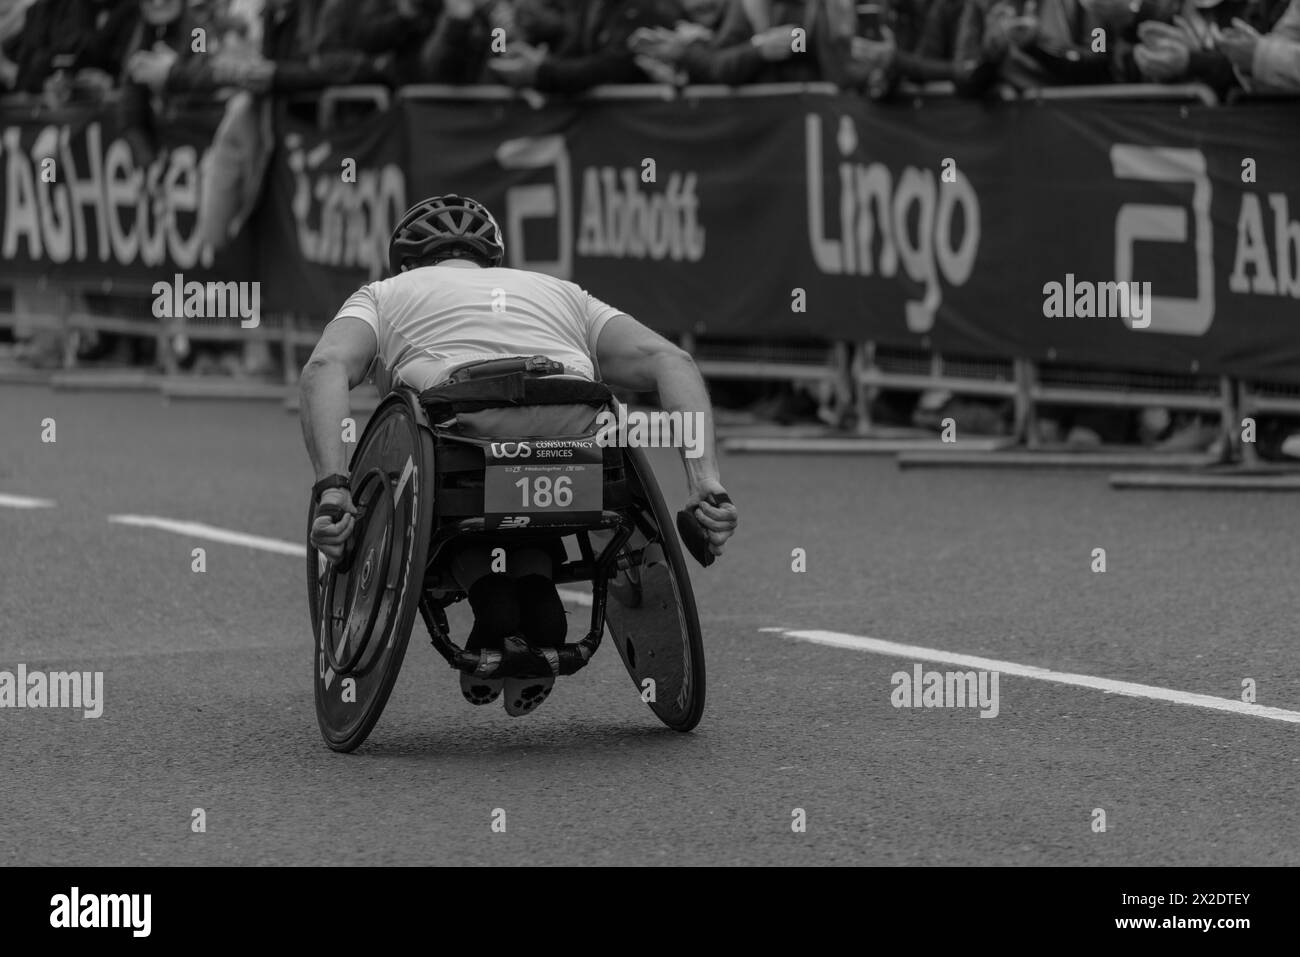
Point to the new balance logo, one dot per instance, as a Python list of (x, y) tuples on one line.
[(514, 521)]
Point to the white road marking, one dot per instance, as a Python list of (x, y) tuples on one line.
[(577, 597), (212, 533), (199, 530), (831, 638), (24, 501), (1127, 688)]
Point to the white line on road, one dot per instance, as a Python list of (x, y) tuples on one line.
[(833, 639), (24, 501), (212, 534), (1127, 688), (277, 545)]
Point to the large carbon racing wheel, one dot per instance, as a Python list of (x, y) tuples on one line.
[(364, 606), (652, 615)]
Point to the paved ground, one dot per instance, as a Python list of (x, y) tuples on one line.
[(208, 700)]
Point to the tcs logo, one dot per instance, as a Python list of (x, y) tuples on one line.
[(511, 450)]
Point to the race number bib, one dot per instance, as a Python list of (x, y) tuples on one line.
[(539, 482)]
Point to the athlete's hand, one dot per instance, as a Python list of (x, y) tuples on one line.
[(718, 521), (330, 536)]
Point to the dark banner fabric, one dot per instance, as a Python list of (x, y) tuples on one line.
[(1161, 236), (1147, 235), (74, 203), (333, 200)]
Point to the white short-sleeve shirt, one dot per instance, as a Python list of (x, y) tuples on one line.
[(430, 320)]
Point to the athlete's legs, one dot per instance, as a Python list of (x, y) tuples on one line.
[(541, 612), (519, 601), (496, 611), (475, 562)]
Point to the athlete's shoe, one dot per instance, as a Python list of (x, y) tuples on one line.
[(525, 695), (480, 690)]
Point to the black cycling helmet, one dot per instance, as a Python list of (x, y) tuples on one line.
[(441, 227)]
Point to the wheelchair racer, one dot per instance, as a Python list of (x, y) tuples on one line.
[(450, 303)]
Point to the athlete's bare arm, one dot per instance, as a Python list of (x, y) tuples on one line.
[(337, 365), (633, 356)]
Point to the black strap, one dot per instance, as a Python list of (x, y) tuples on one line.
[(485, 368), (514, 389), (334, 513), (328, 482)]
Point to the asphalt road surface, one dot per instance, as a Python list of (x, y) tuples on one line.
[(208, 697)]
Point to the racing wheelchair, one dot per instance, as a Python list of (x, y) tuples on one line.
[(474, 461)]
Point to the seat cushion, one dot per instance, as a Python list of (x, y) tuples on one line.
[(529, 421), (519, 405)]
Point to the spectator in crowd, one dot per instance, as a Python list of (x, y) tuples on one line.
[(1184, 43), (1269, 62), (544, 22), (715, 43), (289, 42), (54, 32), (69, 42), (203, 52), (918, 42), (460, 46), (13, 14), (1184, 50), (116, 24), (167, 68), (1034, 44), (1178, 41), (754, 41), (396, 29), (161, 40), (593, 50)]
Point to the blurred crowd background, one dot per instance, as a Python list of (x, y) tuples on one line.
[(63, 49), (145, 58)]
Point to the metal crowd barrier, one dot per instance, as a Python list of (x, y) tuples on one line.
[(621, 91), (1146, 92), (77, 307)]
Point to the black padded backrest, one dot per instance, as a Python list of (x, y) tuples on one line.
[(529, 422), (516, 389)]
